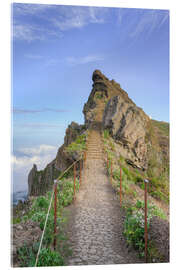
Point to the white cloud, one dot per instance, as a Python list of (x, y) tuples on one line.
[(22, 162), (27, 32), (84, 60), (142, 21), (52, 62), (43, 149), (37, 125), (32, 111), (34, 56), (25, 9), (57, 18), (41, 156), (148, 22), (78, 17)]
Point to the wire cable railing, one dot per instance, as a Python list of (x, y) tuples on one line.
[(54, 194)]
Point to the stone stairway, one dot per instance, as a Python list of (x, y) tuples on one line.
[(95, 227), (94, 146)]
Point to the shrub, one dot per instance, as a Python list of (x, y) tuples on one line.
[(134, 230), (116, 174), (41, 202), (127, 172), (47, 257), (78, 145), (106, 134), (134, 223)]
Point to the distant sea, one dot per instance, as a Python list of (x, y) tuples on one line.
[(19, 195)]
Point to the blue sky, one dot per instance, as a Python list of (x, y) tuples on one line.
[(55, 51)]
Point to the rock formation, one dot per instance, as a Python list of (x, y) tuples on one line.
[(127, 124), (137, 138), (39, 182)]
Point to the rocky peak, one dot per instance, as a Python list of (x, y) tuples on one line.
[(111, 106), (102, 91), (97, 76)]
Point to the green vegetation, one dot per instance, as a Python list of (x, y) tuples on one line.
[(79, 145), (37, 213), (106, 134), (158, 154), (98, 95), (162, 126), (134, 225), (47, 257)]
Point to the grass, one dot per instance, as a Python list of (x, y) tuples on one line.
[(162, 126)]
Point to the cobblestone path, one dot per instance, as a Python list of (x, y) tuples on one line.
[(95, 227)]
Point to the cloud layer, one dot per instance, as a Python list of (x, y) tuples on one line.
[(55, 20), (26, 157), (23, 160), (29, 111), (73, 61)]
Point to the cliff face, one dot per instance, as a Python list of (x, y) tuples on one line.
[(39, 182), (127, 125)]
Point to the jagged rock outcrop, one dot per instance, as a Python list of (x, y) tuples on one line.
[(128, 125), (39, 182), (63, 159), (103, 89)]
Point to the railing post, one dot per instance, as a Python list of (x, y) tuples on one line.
[(145, 223), (55, 211), (74, 181), (84, 159), (111, 172), (120, 191), (80, 171)]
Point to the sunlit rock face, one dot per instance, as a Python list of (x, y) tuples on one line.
[(128, 125)]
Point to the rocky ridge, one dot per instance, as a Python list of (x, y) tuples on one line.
[(136, 137)]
